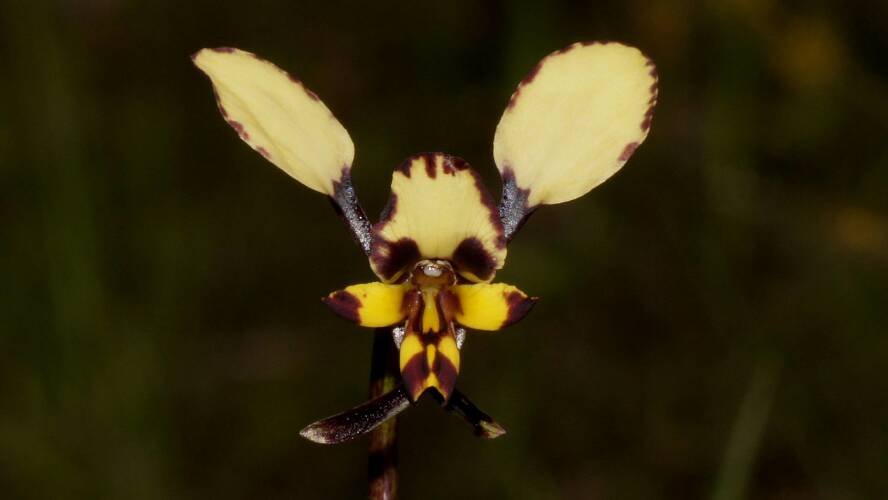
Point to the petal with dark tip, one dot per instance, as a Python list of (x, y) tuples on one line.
[(460, 405), (572, 123), (371, 304), (279, 117), (439, 209), (491, 306), (359, 420)]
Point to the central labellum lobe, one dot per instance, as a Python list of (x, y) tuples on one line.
[(429, 355)]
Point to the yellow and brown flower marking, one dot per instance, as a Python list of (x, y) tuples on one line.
[(438, 208), (429, 357), (572, 123), (431, 303)]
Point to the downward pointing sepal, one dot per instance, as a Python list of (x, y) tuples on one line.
[(367, 416), (359, 420)]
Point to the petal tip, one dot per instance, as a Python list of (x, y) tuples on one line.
[(344, 304), (315, 435), (197, 58), (519, 307), (204, 52), (489, 430)]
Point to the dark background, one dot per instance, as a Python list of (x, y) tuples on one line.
[(712, 319)]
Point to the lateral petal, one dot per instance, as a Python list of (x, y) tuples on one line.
[(370, 304), (279, 117), (573, 122), (491, 306), (438, 209)]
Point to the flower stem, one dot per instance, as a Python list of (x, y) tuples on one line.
[(382, 464)]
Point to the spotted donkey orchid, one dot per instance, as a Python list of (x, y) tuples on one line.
[(571, 124)]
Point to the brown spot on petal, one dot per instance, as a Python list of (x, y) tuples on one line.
[(527, 80), (414, 374), (567, 49), (654, 90), (627, 151), (389, 210), (533, 73), (219, 104), (344, 304), (450, 165), (471, 256), (395, 256), (648, 118), (239, 128), (449, 304), (430, 165), (264, 152), (519, 306), (413, 303), (223, 50), (513, 99), (404, 167), (453, 164), (446, 373), (492, 210), (391, 257), (301, 85)]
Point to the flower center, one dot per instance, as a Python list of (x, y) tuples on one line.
[(433, 274)]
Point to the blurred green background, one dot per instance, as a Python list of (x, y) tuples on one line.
[(712, 322)]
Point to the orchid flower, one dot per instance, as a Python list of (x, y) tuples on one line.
[(572, 123)]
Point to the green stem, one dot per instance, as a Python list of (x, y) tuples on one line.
[(382, 464), (746, 436)]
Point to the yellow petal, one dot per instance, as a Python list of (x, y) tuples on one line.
[(438, 209), (279, 117), (575, 120), (370, 304), (491, 306)]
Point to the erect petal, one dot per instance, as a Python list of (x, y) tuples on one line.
[(491, 306), (574, 121), (370, 304), (279, 117), (438, 209)]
